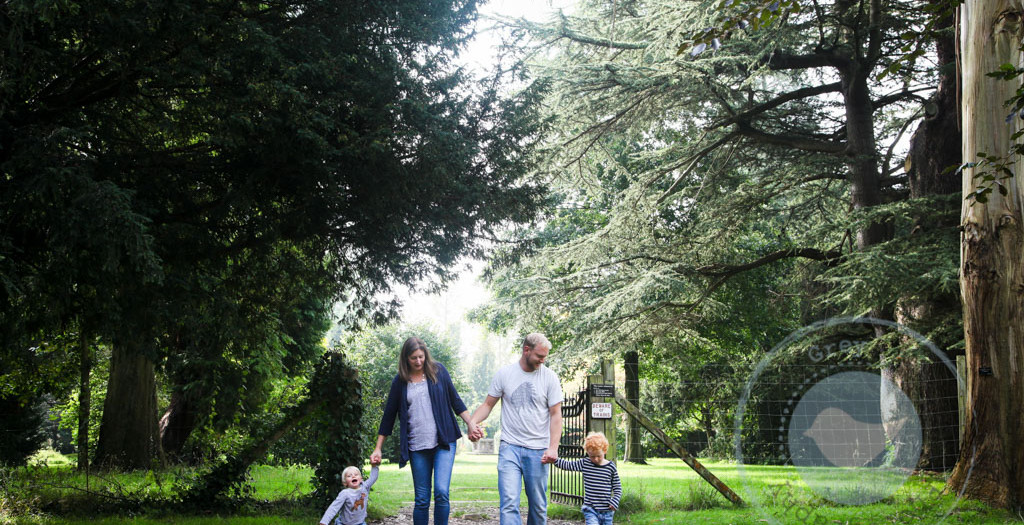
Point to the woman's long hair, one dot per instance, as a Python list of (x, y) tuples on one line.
[(411, 345)]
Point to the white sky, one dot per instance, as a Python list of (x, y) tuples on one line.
[(448, 309), (481, 52)]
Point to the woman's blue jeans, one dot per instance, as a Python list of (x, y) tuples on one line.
[(433, 463), (519, 466)]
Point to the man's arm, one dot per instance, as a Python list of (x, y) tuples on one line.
[(479, 415), (470, 426), (551, 454)]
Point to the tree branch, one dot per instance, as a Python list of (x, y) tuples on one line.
[(778, 101), (745, 129), (564, 31), (728, 270), (781, 61), (693, 162)]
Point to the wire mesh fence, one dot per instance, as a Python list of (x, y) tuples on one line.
[(846, 414)]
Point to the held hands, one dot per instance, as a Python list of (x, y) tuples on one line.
[(375, 457), (550, 456), (475, 432)]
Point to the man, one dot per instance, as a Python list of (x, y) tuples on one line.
[(531, 425)]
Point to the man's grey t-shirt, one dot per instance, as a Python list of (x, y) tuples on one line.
[(526, 398)]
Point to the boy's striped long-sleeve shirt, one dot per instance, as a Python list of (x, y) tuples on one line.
[(602, 489)]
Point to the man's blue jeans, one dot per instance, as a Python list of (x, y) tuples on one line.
[(592, 516), (519, 466), (437, 463)]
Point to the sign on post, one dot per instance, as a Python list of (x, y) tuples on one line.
[(601, 410)]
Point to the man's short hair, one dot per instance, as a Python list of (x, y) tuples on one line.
[(537, 339)]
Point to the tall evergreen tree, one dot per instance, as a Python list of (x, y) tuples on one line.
[(164, 165), (721, 186)]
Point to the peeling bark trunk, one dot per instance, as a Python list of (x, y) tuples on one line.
[(991, 465), (177, 423)]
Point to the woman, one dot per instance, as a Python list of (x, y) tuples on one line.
[(423, 397)]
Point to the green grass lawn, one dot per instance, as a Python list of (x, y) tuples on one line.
[(665, 491)]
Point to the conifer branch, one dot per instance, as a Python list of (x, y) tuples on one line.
[(830, 257), (780, 61), (803, 144), (778, 101), (564, 31)]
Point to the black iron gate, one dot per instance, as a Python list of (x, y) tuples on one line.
[(567, 487)]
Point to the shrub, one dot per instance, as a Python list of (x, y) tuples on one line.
[(631, 502), (21, 433), (703, 497)]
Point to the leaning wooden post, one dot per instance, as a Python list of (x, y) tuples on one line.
[(701, 470)]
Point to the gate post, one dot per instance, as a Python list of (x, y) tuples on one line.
[(601, 409)]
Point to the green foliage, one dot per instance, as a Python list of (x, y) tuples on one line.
[(991, 171), (631, 502), (656, 492), (67, 411), (20, 429), (338, 423), (296, 447), (710, 203), (331, 410), (202, 179)]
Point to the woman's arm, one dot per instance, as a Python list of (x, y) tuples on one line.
[(387, 419), (375, 456)]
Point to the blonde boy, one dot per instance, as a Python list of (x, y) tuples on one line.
[(353, 499), (602, 489)]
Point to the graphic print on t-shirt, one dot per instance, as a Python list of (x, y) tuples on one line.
[(359, 503), (523, 396)]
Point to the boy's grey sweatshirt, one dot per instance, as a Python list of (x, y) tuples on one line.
[(352, 503)]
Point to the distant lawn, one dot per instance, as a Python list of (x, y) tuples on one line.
[(664, 492)]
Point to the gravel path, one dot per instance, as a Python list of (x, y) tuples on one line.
[(470, 515)]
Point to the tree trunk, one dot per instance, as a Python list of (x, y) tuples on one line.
[(991, 465), (862, 164), (934, 148), (129, 437), (634, 449), (861, 151), (84, 400), (177, 423), (932, 388)]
